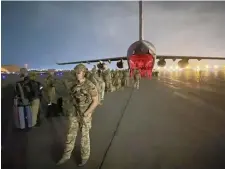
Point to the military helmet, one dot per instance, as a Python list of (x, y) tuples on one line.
[(23, 71), (32, 75), (80, 67)]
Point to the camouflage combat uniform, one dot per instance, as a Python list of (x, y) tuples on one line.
[(101, 84), (137, 77), (108, 80), (117, 81), (126, 78), (81, 94), (50, 82)]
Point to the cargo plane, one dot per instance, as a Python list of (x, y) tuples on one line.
[(142, 55)]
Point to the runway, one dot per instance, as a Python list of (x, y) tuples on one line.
[(169, 123)]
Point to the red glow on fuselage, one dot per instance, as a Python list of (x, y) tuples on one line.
[(144, 63)]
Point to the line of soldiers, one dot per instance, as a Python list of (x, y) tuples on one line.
[(86, 90)]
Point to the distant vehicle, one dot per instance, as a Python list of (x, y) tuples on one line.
[(142, 55)]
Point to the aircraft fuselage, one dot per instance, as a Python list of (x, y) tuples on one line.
[(141, 56), (143, 62)]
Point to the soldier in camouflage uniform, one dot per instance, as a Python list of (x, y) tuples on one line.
[(137, 77), (112, 73), (121, 76), (101, 84), (126, 78), (50, 83), (107, 77), (84, 96), (117, 81)]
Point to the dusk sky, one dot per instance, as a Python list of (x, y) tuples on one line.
[(43, 33)]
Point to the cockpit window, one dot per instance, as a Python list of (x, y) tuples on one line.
[(141, 49)]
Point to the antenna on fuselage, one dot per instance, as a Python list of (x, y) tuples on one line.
[(140, 21)]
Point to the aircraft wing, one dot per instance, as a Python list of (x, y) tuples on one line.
[(188, 57), (95, 60), (157, 57)]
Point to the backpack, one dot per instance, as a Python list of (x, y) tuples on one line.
[(25, 92), (94, 81), (97, 84)]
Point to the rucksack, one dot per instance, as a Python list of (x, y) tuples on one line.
[(97, 84), (25, 91)]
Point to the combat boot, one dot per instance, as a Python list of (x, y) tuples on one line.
[(83, 162), (62, 160)]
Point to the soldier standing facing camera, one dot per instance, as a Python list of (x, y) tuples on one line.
[(85, 99)]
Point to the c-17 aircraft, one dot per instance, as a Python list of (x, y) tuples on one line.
[(141, 55)]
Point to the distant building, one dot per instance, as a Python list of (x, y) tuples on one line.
[(51, 70), (3, 70), (10, 68)]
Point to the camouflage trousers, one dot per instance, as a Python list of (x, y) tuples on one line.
[(102, 91), (136, 84), (76, 124)]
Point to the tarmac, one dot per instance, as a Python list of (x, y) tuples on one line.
[(171, 122)]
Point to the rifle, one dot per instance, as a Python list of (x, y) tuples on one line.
[(77, 110)]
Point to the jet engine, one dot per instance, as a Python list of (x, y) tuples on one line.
[(100, 65), (161, 63), (119, 64), (183, 63)]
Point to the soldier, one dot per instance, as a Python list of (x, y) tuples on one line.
[(101, 84), (126, 78), (117, 81), (107, 79), (85, 99), (31, 90), (137, 77), (33, 76), (121, 76), (112, 73), (50, 83)]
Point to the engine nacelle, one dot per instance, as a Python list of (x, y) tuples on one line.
[(183, 63), (100, 65), (119, 64), (161, 63)]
